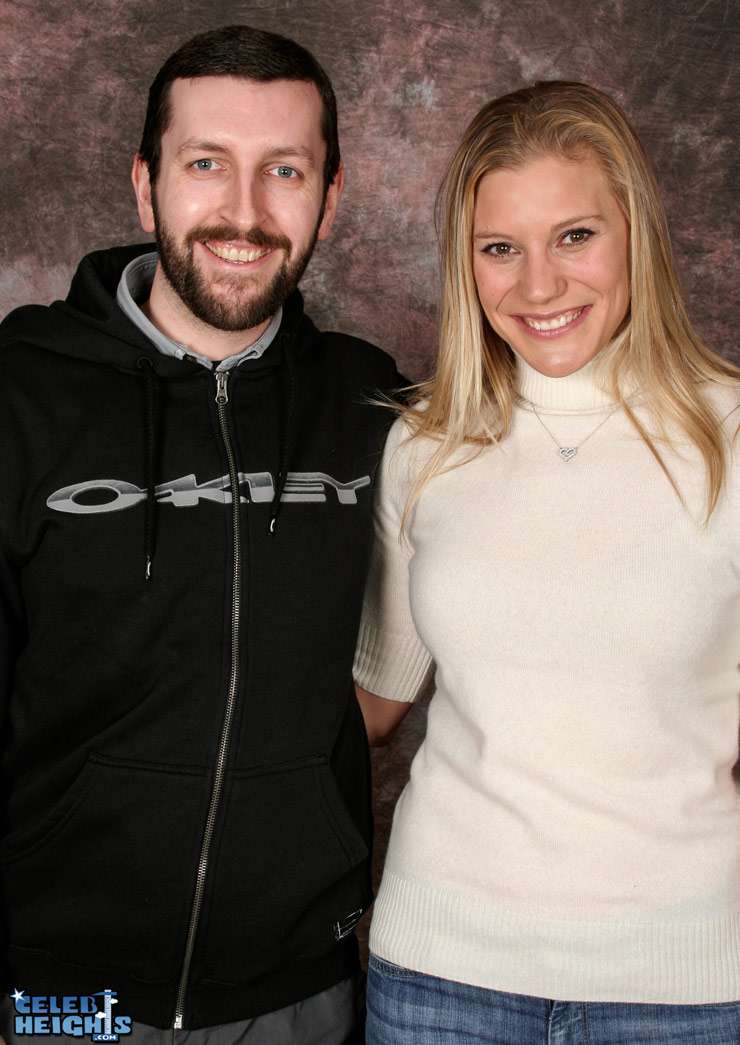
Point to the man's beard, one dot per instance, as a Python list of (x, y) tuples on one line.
[(244, 306)]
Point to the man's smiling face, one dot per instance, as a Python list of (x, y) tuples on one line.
[(239, 200)]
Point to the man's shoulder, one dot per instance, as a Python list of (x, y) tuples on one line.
[(18, 328), (75, 325), (354, 348), (356, 358)]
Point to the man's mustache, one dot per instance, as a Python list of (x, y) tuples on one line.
[(256, 237)]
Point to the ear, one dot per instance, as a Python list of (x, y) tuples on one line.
[(332, 202), (143, 190)]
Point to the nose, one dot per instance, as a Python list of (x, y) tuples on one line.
[(243, 203), (541, 278)]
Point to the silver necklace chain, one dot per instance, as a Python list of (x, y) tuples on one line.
[(566, 453)]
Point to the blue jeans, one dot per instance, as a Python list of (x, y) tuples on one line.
[(411, 1008)]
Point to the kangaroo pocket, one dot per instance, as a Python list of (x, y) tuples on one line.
[(290, 874), (106, 878)]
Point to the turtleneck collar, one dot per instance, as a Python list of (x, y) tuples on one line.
[(576, 393)]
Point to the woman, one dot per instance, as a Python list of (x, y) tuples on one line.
[(565, 860)]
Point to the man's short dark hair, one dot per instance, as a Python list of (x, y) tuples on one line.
[(251, 54)]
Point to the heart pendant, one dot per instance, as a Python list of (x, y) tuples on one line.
[(566, 452)]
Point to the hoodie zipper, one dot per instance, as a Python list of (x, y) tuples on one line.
[(222, 399)]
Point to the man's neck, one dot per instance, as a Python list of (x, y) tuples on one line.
[(170, 315)]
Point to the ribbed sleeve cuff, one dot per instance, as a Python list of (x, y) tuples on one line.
[(391, 666)]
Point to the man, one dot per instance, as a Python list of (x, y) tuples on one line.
[(187, 819)]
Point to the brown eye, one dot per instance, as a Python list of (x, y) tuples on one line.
[(576, 237)]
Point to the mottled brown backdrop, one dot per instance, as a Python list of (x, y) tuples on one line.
[(408, 76)]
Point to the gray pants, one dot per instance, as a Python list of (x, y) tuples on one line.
[(334, 1017)]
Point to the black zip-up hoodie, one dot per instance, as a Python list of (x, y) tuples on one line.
[(185, 768)]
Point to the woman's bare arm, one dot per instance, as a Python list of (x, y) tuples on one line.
[(382, 717)]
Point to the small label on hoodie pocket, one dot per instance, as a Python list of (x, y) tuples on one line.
[(345, 927)]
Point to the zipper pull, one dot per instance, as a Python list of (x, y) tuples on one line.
[(222, 396)]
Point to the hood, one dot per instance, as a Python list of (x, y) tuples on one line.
[(89, 325)]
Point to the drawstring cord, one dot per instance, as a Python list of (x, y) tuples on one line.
[(287, 439), (146, 366)]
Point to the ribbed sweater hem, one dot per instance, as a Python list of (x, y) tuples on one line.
[(471, 940)]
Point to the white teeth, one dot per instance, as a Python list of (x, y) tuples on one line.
[(232, 254), (553, 324)]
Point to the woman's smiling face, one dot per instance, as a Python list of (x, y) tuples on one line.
[(550, 260)]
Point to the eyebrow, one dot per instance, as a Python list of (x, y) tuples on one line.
[(568, 224), (278, 152)]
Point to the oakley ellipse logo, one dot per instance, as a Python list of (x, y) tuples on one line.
[(115, 495)]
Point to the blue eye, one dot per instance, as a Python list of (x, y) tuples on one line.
[(284, 171), (204, 165)]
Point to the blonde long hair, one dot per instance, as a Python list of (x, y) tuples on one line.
[(470, 399)]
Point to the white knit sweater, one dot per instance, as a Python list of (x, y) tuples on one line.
[(571, 828)]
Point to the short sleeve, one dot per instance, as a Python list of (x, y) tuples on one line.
[(391, 660)]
